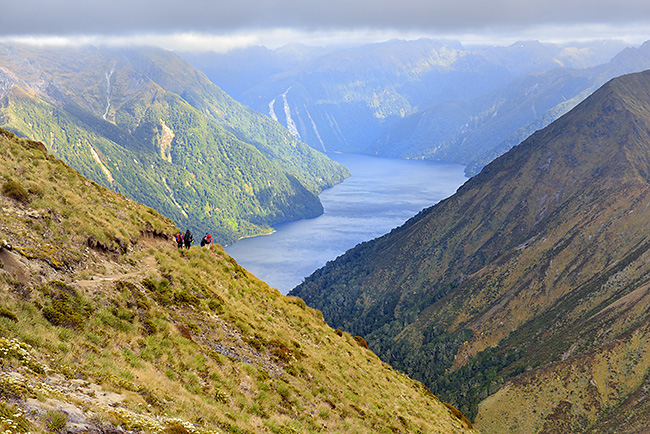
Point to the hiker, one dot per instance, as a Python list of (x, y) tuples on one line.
[(188, 239), (207, 239), (179, 239)]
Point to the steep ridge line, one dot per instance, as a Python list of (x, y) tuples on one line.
[(542, 256)]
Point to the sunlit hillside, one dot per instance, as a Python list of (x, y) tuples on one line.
[(106, 327)]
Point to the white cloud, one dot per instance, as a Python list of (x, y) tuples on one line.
[(220, 25), (273, 38)]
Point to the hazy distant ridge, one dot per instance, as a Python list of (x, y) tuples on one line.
[(421, 99)]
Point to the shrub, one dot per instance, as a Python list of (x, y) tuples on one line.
[(149, 327), (183, 298), (13, 348), (256, 342), (55, 421), (123, 313), (219, 396), (216, 305), (12, 189), (280, 351), (6, 313), (184, 331), (161, 291), (36, 190), (297, 301), (60, 313), (66, 308), (361, 341), (12, 388)]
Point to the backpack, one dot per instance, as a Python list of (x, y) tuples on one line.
[(208, 238), (179, 237)]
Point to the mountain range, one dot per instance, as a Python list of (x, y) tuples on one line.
[(146, 124), (419, 99), (106, 327), (523, 298)]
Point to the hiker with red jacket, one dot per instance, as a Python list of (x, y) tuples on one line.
[(179, 239), (207, 239)]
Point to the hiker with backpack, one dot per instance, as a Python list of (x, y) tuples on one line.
[(188, 239), (207, 239), (179, 239)]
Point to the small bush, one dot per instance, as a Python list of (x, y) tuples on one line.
[(256, 342), (220, 397), (280, 351), (149, 327), (13, 348), (185, 298), (60, 313), (297, 301), (361, 341), (55, 421), (36, 190), (184, 331), (216, 305), (12, 388), (123, 314), (12, 189), (66, 307), (6, 313), (161, 291)]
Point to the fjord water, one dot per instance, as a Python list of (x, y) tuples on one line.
[(380, 195)]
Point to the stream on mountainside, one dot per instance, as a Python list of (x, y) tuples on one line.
[(380, 195)]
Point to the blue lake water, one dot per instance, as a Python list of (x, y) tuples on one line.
[(380, 195)]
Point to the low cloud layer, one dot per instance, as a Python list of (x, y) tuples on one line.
[(235, 19)]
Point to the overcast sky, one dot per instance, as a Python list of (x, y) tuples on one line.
[(221, 24)]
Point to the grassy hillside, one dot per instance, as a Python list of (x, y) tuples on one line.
[(535, 268), (146, 124), (106, 327)]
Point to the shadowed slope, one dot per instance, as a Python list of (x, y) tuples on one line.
[(511, 272)]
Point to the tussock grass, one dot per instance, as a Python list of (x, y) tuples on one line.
[(155, 339)]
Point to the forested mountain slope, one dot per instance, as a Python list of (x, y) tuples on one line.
[(529, 284), (106, 327), (147, 124)]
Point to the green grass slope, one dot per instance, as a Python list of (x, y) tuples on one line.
[(106, 327), (146, 124), (536, 266)]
